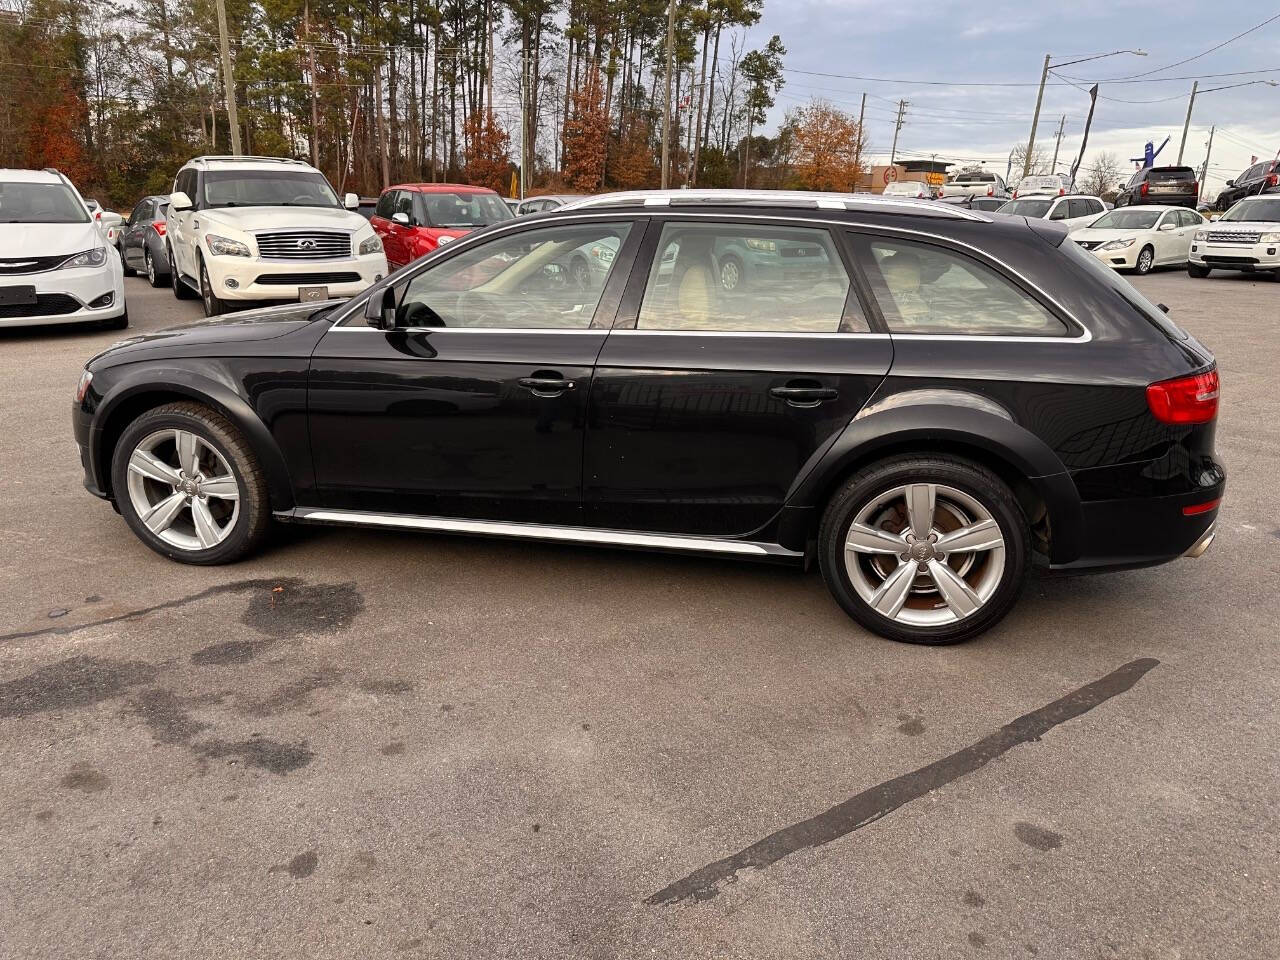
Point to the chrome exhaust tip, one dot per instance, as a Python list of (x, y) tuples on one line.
[(1200, 546)]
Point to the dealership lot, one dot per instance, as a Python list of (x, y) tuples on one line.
[(369, 744)]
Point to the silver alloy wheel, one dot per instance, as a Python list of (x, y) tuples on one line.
[(183, 490), (206, 290), (151, 265), (1145, 260), (730, 274), (924, 554)]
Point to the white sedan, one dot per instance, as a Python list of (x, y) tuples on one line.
[(1141, 237)]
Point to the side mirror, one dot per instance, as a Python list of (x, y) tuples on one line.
[(380, 309), (1168, 226), (1163, 307), (400, 218), (351, 201), (1231, 183), (180, 201)]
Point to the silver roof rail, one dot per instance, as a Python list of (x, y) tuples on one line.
[(215, 157), (803, 199)]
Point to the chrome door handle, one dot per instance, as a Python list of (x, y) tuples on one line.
[(546, 386), (804, 396)]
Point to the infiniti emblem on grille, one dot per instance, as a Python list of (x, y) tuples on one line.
[(306, 244)]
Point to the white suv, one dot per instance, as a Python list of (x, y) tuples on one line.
[(1245, 238), (265, 228), (55, 264)]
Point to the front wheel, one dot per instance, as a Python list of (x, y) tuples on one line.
[(1197, 271), (213, 307), (124, 263), (189, 486), (928, 550), (180, 290), (732, 275), (1146, 260)]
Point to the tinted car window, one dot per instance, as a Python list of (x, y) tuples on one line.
[(140, 212), (386, 205), (404, 204), (528, 280), (926, 289), (1080, 208), (1035, 208), (734, 277)]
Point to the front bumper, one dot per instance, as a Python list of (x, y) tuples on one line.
[(251, 278), (1236, 256), (1126, 258), (65, 295)]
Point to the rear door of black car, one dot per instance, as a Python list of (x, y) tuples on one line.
[(474, 407), (740, 352)]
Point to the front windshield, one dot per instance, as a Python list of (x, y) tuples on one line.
[(1035, 209), (1254, 209), (40, 203), (1126, 220), (267, 188), (465, 210)]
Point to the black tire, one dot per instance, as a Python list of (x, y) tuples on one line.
[(970, 478), (1197, 271), (214, 429), (213, 307), (154, 276), (180, 290), (737, 279), (117, 323), (124, 264), (1142, 268)]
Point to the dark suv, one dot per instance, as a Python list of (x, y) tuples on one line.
[(943, 398), (1171, 186), (1260, 178)]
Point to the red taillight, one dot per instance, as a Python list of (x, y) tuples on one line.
[(158, 226), (1273, 180), (991, 191), (1186, 400), (1198, 508), (1062, 192), (98, 215), (1143, 191)]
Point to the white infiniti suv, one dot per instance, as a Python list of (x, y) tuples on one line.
[(264, 228), (56, 267)]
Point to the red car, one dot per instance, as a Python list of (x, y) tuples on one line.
[(414, 218)]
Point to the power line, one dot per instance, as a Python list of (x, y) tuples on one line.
[(1179, 63)]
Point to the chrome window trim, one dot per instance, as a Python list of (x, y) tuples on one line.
[(568, 214), (538, 531)]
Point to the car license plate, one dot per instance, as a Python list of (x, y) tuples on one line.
[(312, 294), (14, 296)]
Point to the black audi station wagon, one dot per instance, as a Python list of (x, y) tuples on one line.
[(925, 400)]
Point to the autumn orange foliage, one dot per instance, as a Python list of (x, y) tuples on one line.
[(488, 163), (586, 135), (827, 148)]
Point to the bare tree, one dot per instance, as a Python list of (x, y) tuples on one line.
[(1100, 176)]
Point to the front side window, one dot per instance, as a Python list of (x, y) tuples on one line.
[(924, 289), (22, 202), (547, 278), (1190, 218), (745, 278), (404, 204), (464, 210), (1028, 207), (267, 188)]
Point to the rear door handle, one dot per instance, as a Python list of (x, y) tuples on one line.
[(804, 396), (547, 386)]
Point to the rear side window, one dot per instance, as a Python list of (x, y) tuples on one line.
[(924, 289), (746, 278), (1123, 290)]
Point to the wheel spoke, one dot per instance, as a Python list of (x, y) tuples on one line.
[(864, 539), (206, 530), (920, 503), (980, 536), (188, 456), (161, 516), (892, 594), (224, 487), (958, 595), (149, 465)]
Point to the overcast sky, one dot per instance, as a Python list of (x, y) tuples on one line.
[(995, 41)]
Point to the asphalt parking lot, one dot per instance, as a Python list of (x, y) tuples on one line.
[(366, 744)]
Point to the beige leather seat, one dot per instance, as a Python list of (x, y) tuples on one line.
[(696, 302)]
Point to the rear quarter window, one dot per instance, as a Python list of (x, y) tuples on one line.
[(1124, 291)]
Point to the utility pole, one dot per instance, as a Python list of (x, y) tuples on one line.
[(524, 125), (1084, 139), (233, 120), (382, 131), (1204, 171), (902, 110), (666, 103), (862, 112), (1186, 124), (1035, 118), (315, 110), (1061, 126)]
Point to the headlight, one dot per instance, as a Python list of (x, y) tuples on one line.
[(1269, 238), (89, 258), (767, 246), (1117, 244), (222, 247), (82, 387), (372, 245), (1201, 235)]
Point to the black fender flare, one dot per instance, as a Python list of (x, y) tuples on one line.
[(202, 386), (950, 421)]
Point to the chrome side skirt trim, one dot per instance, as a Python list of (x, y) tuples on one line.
[(538, 531)]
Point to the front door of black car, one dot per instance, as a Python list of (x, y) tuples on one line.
[(474, 406), (740, 353)]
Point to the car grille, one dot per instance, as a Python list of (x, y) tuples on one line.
[(304, 245), (46, 305), (305, 279), (15, 265), (1089, 244), (1219, 236)]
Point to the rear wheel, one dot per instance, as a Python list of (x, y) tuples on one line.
[(189, 486), (153, 275), (1197, 271), (929, 550), (1146, 260)]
